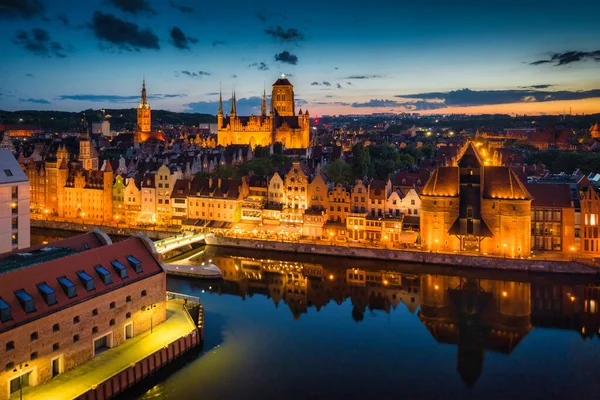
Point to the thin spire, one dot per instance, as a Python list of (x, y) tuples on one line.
[(263, 108), (233, 101), (220, 100), (144, 90)]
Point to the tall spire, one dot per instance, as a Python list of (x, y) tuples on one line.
[(233, 105), (263, 108), (220, 101), (144, 91)]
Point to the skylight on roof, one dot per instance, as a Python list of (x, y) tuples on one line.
[(25, 300), (68, 286), (86, 279), (47, 293), (5, 313), (135, 263), (121, 269), (104, 274)]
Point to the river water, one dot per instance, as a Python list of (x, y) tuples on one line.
[(292, 326)]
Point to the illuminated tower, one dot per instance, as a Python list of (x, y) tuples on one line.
[(263, 107), (282, 100), (220, 113), (144, 124)]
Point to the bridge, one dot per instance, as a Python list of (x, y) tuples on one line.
[(171, 243)]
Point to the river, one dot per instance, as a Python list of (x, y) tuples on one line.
[(311, 327)]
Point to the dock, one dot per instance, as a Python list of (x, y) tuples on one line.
[(205, 271)]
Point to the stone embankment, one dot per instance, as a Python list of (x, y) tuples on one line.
[(457, 260), (153, 234)]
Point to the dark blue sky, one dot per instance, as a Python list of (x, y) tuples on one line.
[(343, 56)]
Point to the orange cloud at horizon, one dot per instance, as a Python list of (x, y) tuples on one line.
[(582, 106)]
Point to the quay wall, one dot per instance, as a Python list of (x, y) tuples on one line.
[(108, 229), (457, 260)]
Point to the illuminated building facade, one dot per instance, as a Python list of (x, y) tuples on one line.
[(476, 208), (143, 130), (61, 306), (590, 211), (14, 204), (281, 124)]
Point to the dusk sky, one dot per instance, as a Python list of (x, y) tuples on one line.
[(348, 57)]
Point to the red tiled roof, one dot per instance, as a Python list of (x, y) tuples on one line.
[(48, 272), (550, 194), (77, 243), (502, 183), (443, 182)]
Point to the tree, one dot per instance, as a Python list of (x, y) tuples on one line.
[(339, 172), (278, 148), (361, 161)]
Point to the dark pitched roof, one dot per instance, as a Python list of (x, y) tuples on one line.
[(503, 183), (282, 82), (550, 194)]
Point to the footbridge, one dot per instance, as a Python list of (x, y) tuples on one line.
[(183, 239)]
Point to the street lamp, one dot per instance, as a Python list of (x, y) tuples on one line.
[(437, 247), (151, 309), (20, 369), (504, 250), (572, 253)]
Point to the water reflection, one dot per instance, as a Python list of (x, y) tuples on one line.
[(475, 311)]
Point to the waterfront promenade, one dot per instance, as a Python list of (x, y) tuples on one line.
[(107, 364), (533, 264)]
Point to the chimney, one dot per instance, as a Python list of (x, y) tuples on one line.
[(219, 182)]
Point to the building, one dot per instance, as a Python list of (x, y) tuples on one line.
[(590, 211), (552, 217), (475, 208), (101, 128), (14, 204), (280, 125), (595, 131), (63, 303), (143, 130)]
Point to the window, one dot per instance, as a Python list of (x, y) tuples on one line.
[(25, 300), (469, 212), (112, 322), (135, 263), (95, 329), (76, 319), (55, 346), (143, 294), (55, 327), (5, 313), (113, 305), (120, 268), (128, 315), (128, 299), (34, 336), (86, 280), (48, 294), (10, 345), (75, 338), (68, 286), (8, 172), (94, 312), (104, 274), (33, 356)]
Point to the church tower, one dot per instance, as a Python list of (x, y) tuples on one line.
[(282, 100), (144, 124), (220, 113)]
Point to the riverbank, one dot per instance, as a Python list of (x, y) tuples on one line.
[(457, 260), (153, 234)]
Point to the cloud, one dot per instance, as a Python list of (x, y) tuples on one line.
[(260, 66), (377, 103), (183, 9), (289, 35), (338, 86), (300, 102), (180, 40), (349, 83), (198, 74), (29, 75), (111, 98), (363, 77), (123, 34), (133, 6), (35, 101), (64, 19), (331, 103), (216, 43), (324, 83), (569, 57), (21, 8), (234, 76), (467, 97), (212, 93), (38, 42), (286, 57), (546, 86), (261, 17)]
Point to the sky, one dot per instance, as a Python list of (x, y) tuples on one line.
[(343, 57)]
